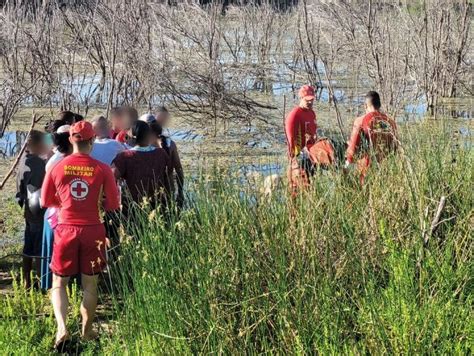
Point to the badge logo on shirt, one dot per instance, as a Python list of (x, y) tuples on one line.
[(79, 189)]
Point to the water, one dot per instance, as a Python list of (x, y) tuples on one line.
[(85, 89), (253, 137), (465, 136), (11, 143), (184, 135), (262, 169)]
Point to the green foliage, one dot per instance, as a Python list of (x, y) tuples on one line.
[(27, 324), (340, 270), (22, 325), (11, 219)]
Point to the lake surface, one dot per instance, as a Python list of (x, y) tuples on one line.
[(247, 137), (84, 89), (12, 141)]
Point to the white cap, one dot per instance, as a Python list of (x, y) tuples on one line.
[(148, 118), (63, 129)]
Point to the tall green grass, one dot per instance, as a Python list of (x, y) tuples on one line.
[(27, 325), (343, 269), (340, 270)]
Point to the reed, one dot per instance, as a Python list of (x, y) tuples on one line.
[(343, 269)]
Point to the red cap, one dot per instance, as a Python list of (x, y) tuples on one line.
[(81, 131), (306, 92)]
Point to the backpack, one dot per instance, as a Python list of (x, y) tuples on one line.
[(377, 136)]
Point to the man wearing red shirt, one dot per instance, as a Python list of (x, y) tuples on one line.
[(116, 122), (374, 136), (80, 187), (128, 116), (300, 129)]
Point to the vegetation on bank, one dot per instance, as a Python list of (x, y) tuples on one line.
[(342, 269)]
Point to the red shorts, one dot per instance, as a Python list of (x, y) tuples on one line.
[(78, 249)]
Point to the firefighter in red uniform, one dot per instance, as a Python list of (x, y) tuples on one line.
[(373, 137), (300, 129), (80, 187)]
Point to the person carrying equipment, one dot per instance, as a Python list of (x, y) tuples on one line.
[(80, 187), (300, 129), (373, 137)]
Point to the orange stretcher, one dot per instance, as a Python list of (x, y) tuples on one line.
[(322, 153)]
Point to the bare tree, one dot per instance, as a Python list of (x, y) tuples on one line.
[(221, 65), (441, 41)]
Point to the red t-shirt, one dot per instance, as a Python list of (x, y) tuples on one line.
[(77, 185), (360, 125), (113, 133), (122, 136), (300, 128)]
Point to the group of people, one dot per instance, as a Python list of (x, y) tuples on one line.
[(373, 137), (78, 172), (73, 176)]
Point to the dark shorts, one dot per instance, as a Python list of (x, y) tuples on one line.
[(33, 239), (306, 164)]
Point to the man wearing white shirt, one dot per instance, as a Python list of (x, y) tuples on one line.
[(105, 149)]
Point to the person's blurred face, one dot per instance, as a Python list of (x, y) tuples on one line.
[(163, 118), (40, 149), (96, 127), (117, 122), (44, 149), (126, 122), (48, 141), (306, 103)]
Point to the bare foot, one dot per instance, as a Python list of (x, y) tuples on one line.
[(61, 336), (89, 336), (61, 341)]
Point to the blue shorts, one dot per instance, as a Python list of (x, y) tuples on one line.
[(46, 253), (33, 239)]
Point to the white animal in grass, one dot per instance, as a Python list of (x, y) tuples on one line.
[(265, 185)]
